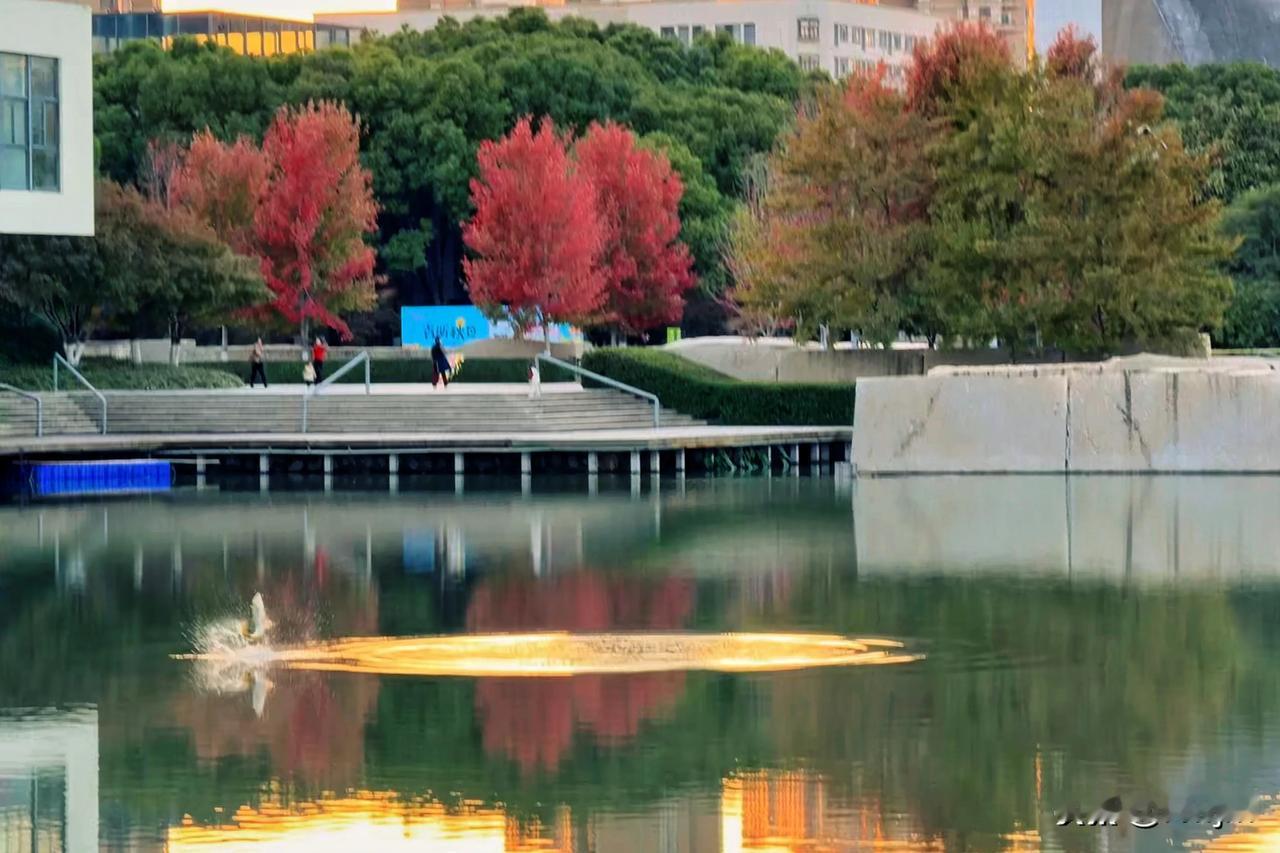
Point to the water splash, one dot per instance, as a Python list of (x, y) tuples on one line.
[(233, 655)]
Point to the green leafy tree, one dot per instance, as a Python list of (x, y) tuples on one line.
[(1253, 320), (427, 100), (143, 260)]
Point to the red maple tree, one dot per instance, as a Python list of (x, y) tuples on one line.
[(223, 185), (310, 226), (637, 197), (952, 60), (535, 234)]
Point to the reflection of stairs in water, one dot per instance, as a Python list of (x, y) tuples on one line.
[(160, 412), (65, 413)]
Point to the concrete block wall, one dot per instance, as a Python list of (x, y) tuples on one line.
[(1097, 420)]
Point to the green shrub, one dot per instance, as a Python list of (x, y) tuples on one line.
[(114, 375), (703, 393)]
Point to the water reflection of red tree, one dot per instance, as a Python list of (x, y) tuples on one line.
[(532, 719)]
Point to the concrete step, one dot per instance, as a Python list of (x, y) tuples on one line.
[(158, 412)]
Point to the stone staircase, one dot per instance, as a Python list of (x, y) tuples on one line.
[(71, 413), (160, 412)]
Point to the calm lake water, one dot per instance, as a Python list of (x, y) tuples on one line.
[(1080, 639)]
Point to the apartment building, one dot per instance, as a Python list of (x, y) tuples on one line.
[(46, 118), (835, 36)]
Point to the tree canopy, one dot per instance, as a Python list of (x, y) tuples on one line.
[(1047, 208), (426, 100)]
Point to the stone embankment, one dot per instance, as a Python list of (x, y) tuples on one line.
[(1142, 414)]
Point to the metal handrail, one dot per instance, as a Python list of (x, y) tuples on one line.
[(605, 380), (362, 356), (57, 357), (39, 405)]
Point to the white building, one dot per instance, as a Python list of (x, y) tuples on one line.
[(835, 36), (46, 118)]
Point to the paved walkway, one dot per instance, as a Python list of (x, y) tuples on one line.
[(378, 388), (609, 440)]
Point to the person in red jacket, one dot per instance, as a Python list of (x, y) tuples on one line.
[(319, 351)]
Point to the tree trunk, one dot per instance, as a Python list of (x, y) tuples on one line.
[(73, 350)]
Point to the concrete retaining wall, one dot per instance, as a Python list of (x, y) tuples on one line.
[(780, 360), (1095, 419)]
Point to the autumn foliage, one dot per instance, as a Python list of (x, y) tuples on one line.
[(637, 196), (584, 233), (1042, 207), (535, 234), (301, 203)]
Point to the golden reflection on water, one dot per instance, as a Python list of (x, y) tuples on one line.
[(365, 821), (1261, 833), (566, 654)]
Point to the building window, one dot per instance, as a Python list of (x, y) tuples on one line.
[(748, 33), (886, 41), (808, 61), (842, 66), (807, 29), (842, 33), (731, 30), (859, 37), (29, 123), (698, 30), (1006, 19), (668, 32), (897, 41), (682, 32), (984, 13)]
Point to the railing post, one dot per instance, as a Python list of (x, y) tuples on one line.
[(621, 386), (306, 397), (368, 382), (57, 358)]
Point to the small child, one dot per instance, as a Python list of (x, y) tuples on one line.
[(309, 374), (535, 381)]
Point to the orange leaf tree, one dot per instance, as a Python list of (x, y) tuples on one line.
[(638, 195), (535, 235), (311, 224)]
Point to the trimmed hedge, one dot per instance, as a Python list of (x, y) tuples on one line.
[(400, 370), (117, 376), (698, 391)]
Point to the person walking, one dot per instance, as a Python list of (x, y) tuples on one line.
[(257, 366), (319, 352), (440, 366), (308, 372), (535, 381)]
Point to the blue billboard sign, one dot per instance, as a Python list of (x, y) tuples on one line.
[(456, 325)]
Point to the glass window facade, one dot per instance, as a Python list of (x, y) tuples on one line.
[(243, 34), (807, 29), (30, 129)]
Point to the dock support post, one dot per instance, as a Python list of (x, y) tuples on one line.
[(813, 455), (328, 464), (768, 460), (264, 464), (825, 453), (459, 465), (393, 464), (680, 460), (635, 463), (655, 462), (526, 484), (795, 460), (526, 463), (200, 472), (593, 484), (593, 463), (457, 484)]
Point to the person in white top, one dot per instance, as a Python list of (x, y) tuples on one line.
[(535, 381)]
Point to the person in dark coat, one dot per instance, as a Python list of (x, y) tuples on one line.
[(440, 367)]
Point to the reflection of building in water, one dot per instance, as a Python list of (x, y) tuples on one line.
[(49, 782)]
